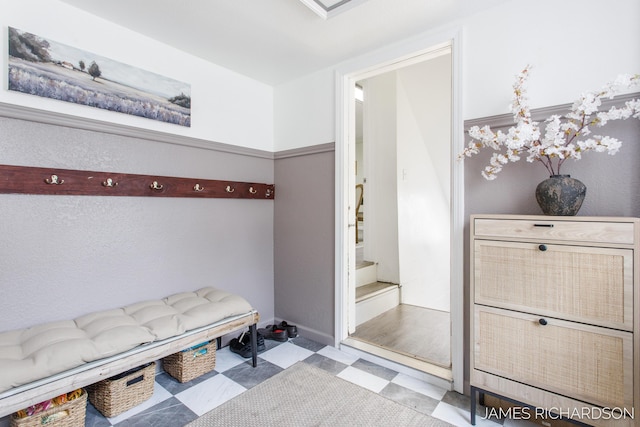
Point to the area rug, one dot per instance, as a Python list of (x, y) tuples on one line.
[(304, 395)]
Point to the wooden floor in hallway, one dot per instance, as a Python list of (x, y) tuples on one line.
[(412, 331)]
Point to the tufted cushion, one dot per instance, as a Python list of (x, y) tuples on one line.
[(206, 306), (38, 352)]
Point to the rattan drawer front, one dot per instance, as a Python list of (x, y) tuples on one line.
[(547, 230), (585, 362), (587, 284)]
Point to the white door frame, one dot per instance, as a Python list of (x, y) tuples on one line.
[(346, 76)]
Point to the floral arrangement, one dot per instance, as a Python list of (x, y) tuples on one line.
[(565, 137)]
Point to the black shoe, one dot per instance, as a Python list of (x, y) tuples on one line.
[(246, 339), (273, 332), (242, 345), (292, 330)]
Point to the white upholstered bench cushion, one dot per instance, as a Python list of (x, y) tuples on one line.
[(33, 353)]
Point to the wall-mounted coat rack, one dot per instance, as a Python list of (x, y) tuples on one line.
[(70, 182)]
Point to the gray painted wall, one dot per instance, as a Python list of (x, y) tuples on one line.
[(304, 230), (64, 256)]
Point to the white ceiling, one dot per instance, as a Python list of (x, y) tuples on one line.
[(275, 41)]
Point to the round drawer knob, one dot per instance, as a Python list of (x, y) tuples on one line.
[(542, 247), (542, 322)]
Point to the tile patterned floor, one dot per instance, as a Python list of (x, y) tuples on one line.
[(174, 404)]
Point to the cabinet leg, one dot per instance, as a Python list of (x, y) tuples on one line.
[(473, 406)]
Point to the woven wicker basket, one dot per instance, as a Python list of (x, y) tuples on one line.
[(115, 395), (69, 414), (192, 362)]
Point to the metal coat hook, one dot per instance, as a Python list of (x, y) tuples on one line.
[(54, 180), (109, 183)]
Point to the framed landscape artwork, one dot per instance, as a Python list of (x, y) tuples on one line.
[(46, 68)]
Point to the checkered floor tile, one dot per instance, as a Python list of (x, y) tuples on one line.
[(174, 404)]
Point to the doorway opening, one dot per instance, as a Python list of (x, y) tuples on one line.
[(402, 246)]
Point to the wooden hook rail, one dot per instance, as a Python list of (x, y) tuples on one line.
[(70, 182)]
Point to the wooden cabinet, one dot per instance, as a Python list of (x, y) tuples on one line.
[(554, 315)]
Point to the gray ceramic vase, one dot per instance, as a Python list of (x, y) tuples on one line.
[(560, 195)]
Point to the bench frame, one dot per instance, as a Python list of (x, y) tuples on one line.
[(34, 392)]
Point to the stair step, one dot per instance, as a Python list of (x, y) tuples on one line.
[(366, 272), (375, 298), (370, 290), (363, 264)]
